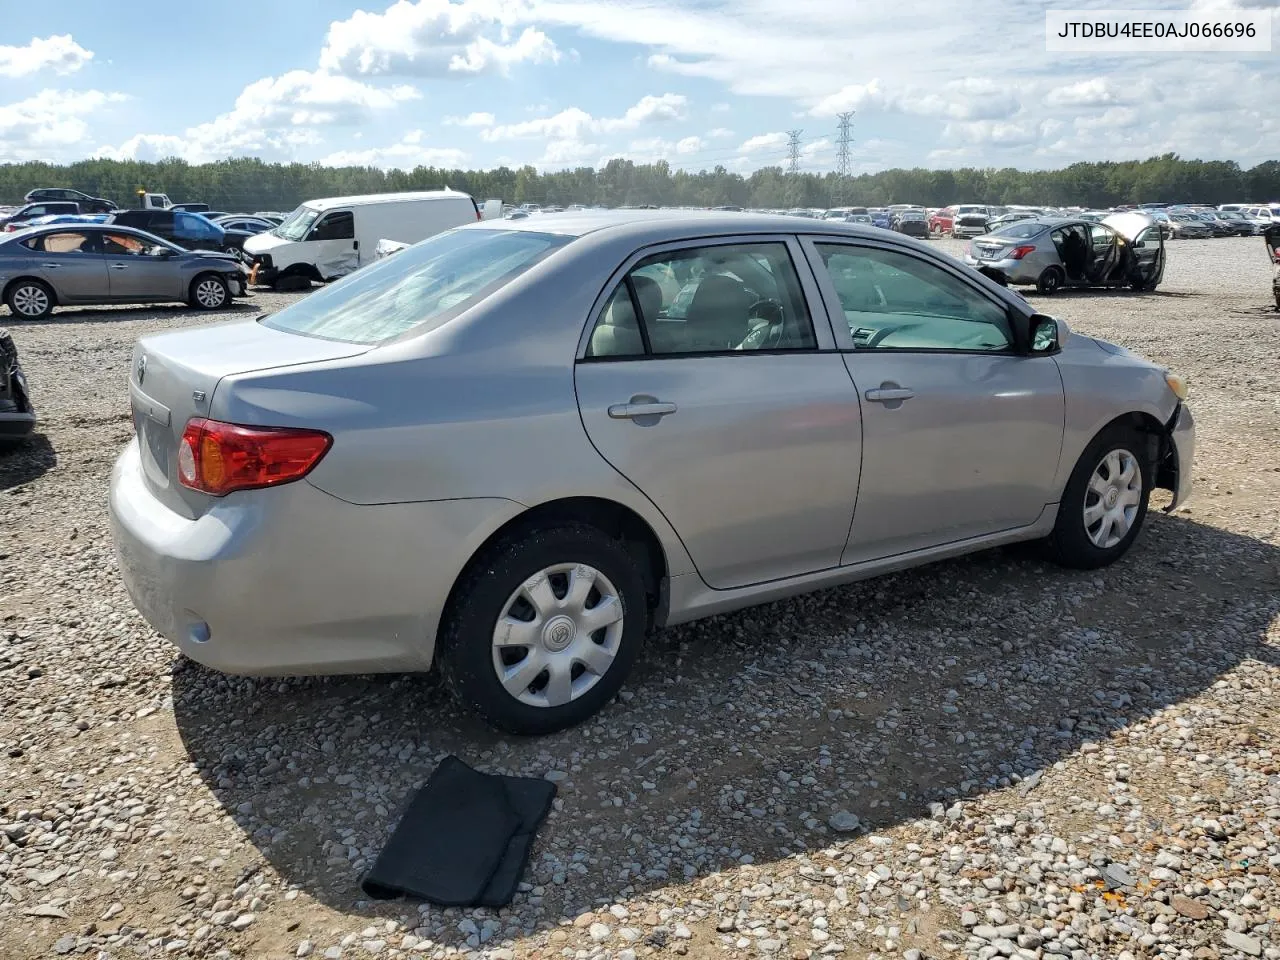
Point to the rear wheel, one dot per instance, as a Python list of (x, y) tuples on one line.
[(1105, 501), (544, 628), (209, 292), (1050, 280), (30, 299)]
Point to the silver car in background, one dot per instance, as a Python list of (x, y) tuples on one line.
[(82, 264), (1123, 250), (515, 448)]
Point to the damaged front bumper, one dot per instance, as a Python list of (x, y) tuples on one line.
[(1174, 472)]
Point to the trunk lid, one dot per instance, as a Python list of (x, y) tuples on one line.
[(173, 376)]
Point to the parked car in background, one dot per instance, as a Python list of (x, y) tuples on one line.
[(191, 207), (190, 230), (1237, 223), (244, 223), (1184, 226), (17, 412), (329, 238), (25, 214), (940, 221), (86, 203), (1125, 250), (58, 218), (881, 218), (910, 222), (578, 467), (82, 264), (970, 220)]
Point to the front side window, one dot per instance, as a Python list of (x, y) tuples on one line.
[(419, 289), (339, 225), (191, 227), (893, 301), (726, 298)]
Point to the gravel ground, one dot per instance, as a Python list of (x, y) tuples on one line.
[(989, 757)]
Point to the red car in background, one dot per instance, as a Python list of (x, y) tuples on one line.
[(940, 221)]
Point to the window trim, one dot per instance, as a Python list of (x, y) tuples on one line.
[(809, 290), (1019, 319)]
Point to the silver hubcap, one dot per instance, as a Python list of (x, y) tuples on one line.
[(30, 301), (210, 293), (558, 634), (1112, 498)]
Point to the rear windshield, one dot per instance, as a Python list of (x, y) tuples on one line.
[(418, 289), (1019, 231)]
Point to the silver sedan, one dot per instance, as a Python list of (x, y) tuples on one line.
[(80, 264), (1123, 250), (514, 449)]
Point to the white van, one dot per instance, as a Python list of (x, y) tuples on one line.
[(326, 239)]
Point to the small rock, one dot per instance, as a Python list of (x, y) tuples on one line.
[(242, 921), (600, 932), (64, 945), (304, 949), (1249, 946), (844, 822), (1191, 909)]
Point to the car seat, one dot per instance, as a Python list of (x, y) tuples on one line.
[(717, 318)]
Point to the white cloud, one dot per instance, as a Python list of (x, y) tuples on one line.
[(719, 133), (273, 116), (569, 133), (689, 145), (50, 124), (1096, 91), (470, 120), (433, 38), (764, 141), (59, 53), (855, 96), (410, 152)]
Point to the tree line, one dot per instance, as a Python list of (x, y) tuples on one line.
[(248, 184)]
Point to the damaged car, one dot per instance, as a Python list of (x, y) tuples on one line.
[(1124, 250), (17, 415)]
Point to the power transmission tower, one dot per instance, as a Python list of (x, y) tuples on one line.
[(843, 158), (793, 151)]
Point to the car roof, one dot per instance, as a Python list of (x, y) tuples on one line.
[(655, 226), (328, 203)]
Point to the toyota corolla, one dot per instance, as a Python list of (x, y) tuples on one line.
[(514, 449)]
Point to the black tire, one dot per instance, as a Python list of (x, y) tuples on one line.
[(1050, 280), (203, 293), (24, 292), (1143, 286), (1070, 545), (465, 649)]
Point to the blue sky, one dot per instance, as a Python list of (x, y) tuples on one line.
[(557, 83)]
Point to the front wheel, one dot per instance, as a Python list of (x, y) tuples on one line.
[(209, 292), (1105, 501), (544, 628)]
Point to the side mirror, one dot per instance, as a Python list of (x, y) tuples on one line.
[(1139, 244), (1048, 335)]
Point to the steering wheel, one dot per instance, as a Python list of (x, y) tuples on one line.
[(766, 335)]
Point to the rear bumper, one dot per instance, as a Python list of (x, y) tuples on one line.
[(14, 425), (1010, 271), (291, 580)]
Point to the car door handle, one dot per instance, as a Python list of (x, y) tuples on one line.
[(889, 394), (630, 411), (119, 266), (50, 266)]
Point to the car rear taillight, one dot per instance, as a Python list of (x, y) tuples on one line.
[(1020, 252), (217, 458)]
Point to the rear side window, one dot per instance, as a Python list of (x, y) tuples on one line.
[(419, 289)]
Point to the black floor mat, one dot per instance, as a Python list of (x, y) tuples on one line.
[(464, 839)]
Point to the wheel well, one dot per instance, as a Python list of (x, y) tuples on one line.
[(53, 294), (612, 518), (307, 270), (1160, 450)]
